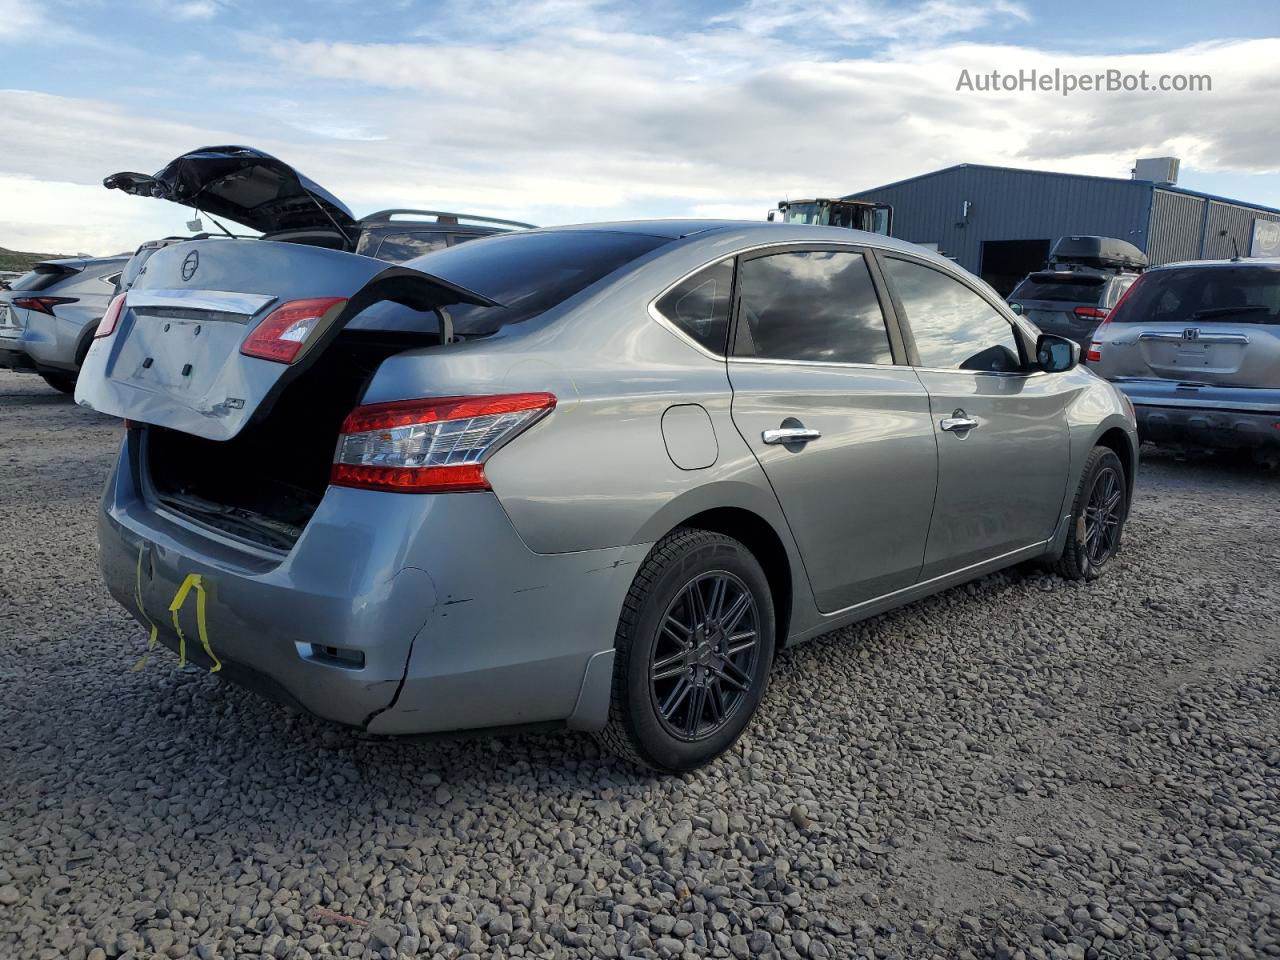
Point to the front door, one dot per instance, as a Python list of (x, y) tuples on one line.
[(843, 433), (1001, 427)]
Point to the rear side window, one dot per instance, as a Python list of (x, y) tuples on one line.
[(399, 247), (814, 305), (528, 273), (1198, 295), (1084, 289), (700, 305), (954, 328)]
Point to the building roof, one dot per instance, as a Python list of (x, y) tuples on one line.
[(1075, 176)]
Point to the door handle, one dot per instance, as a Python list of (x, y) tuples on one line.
[(790, 435), (958, 422)]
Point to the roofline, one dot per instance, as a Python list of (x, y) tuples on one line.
[(1168, 187)]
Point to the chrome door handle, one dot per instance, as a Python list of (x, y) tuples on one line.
[(958, 424), (790, 435)]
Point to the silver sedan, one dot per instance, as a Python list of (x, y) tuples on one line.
[(592, 476)]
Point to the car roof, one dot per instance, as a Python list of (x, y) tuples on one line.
[(751, 231), (1209, 264)]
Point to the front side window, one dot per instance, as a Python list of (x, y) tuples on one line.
[(954, 328), (813, 305), (700, 305)]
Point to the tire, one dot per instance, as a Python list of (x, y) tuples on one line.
[(1094, 538), (663, 647), (62, 382)]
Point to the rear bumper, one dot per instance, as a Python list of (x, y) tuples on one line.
[(457, 624), (12, 356), (1212, 417)]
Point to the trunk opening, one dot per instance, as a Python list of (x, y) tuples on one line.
[(264, 484)]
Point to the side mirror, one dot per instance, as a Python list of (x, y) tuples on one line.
[(1056, 354), (1015, 307)]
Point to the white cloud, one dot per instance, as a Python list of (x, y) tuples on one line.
[(582, 113)]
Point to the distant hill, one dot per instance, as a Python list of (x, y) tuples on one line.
[(17, 260)]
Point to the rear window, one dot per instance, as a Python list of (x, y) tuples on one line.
[(38, 279), (1198, 295), (529, 273), (1040, 286)]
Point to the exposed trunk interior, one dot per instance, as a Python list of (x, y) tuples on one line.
[(265, 484)]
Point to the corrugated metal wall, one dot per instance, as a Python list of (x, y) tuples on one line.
[(1227, 221), (1012, 205), (1177, 222)]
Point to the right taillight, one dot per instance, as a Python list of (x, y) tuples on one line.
[(285, 331), (107, 325), (433, 445), (1094, 353)]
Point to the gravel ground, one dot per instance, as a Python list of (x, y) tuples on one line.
[(1018, 768)]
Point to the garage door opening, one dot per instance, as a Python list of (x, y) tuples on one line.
[(1005, 262)]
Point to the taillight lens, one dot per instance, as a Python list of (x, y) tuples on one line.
[(435, 445), (1091, 313), (107, 325), (42, 304), (1094, 353), (284, 332)]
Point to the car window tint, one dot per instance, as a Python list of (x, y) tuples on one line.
[(399, 247), (700, 305), (1196, 295), (954, 328), (814, 305), (529, 272)]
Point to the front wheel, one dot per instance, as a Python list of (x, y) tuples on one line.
[(1098, 514), (693, 652)]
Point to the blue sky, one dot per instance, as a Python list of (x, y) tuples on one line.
[(570, 110)]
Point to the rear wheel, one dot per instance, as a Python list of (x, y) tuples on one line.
[(1097, 517), (64, 382), (694, 648)]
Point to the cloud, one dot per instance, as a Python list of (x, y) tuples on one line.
[(572, 110)]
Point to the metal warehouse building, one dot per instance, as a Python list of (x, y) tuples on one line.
[(999, 222)]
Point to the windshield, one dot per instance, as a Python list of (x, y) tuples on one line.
[(529, 273), (1231, 294), (1039, 286), (803, 213)]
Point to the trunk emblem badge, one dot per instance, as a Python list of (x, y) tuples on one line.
[(1190, 333), (190, 265)]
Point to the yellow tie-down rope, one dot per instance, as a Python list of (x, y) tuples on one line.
[(192, 582)]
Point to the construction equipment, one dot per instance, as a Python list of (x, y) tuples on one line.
[(852, 214)]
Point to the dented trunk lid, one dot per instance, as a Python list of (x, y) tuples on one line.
[(174, 358)]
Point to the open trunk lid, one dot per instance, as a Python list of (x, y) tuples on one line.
[(246, 186), (174, 358)]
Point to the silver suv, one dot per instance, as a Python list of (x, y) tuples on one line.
[(592, 476), (1196, 347)]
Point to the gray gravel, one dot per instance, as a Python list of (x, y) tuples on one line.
[(1018, 768)]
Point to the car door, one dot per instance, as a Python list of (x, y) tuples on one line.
[(1001, 426), (838, 421)]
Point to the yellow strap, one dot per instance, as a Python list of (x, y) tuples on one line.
[(155, 631), (193, 581)]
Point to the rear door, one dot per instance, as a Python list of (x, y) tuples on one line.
[(1002, 435), (840, 424), (1214, 324), (175, 357)]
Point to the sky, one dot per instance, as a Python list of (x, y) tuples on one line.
[(561, 111)]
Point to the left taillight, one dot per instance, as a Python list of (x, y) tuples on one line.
[(1090, 313), (433, 445), (107, 325), (42, 304), (285, 331)]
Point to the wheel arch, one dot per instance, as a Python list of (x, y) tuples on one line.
[(757, 535), (1121, 444)]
